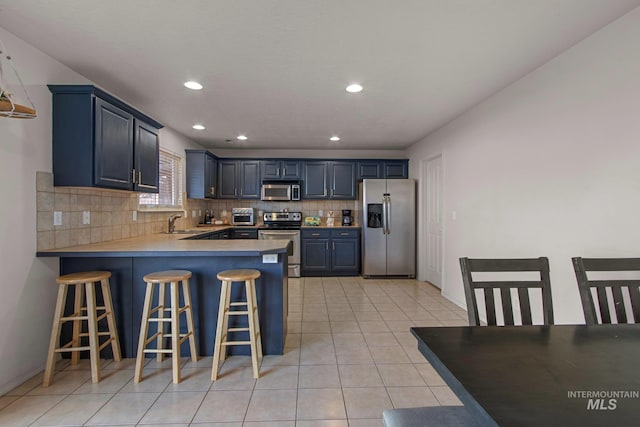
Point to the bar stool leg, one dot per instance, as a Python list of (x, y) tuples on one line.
[(94, 351), (162, 303), (175, 332), (225, 320), (220, 329), (144, 330), (55, 335), (77, 324), (256, 319), (190, 325), (113, 332), (251, 307)]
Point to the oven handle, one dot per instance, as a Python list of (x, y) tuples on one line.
[(286, 234)]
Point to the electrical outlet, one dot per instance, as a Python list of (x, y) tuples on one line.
[(57, 218), (134, 215), (269, 258), (193, 214), (86, 217)]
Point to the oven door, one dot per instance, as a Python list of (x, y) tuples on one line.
[(294, 249)]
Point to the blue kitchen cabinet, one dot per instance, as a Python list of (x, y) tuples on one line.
[(330, 252), (249, 179), (227, 179), (345, 251), (202, 170), (329, 180), (315, 180), (99, 141), (342, 180), (275, 170), (369, 169), (239, 179), (396, 169), (315, 256), (377, 169)]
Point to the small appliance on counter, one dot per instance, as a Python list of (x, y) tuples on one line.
[(243, 216), (347, 219)]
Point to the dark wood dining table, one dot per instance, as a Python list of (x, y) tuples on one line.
[(559, 375)]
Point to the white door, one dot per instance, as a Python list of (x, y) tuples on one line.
[(432, 216)]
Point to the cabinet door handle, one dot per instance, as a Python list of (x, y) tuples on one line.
[(139, 177), (326, 245), (277, 171), (344, 234), (315, 234), (133, 175), (213, 191), (333, 245)]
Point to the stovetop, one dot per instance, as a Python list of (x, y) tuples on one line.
[(282, 220)]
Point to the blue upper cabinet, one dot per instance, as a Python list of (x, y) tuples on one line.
[(146, 157), (343, 180), (99, 141), (396, 169), (202, 167), (329, 180), (315, 180), (249, 179), (280, 170), (239, 179), (377, 169), (228, 179)]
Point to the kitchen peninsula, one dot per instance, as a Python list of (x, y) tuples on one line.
[(130, 259)]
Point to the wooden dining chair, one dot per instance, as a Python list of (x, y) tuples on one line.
[(608, 292), (540, 265)]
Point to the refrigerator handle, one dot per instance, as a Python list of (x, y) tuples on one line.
[(385, 214), (388, 219)]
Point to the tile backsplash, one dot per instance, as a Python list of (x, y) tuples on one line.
[(111, 213)]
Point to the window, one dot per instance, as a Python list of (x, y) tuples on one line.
[(170, 195)]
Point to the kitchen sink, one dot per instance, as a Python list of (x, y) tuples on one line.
[(183, 232)]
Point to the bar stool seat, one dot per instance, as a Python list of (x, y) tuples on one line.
[(160, 279), (84, 310), (248, 276)]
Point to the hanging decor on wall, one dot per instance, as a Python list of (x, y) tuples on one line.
[(8, 107)]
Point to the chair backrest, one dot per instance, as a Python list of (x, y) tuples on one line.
[(541, 265), (616, 287)]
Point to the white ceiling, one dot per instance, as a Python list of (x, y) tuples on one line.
[(276, 69)]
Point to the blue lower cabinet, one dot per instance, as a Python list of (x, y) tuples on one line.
[(330, 252)]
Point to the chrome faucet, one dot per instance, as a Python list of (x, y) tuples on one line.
[(172, 223)]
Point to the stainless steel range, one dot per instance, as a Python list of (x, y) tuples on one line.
[(282, 226)]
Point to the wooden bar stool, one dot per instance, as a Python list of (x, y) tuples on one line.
[(161, 279), (220, 349), (82, 283)]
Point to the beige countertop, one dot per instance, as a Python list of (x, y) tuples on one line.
[(171, 245)]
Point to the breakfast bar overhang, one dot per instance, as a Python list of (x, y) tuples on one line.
[(130, 259)]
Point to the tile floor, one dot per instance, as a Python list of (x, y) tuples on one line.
[(349, 355)]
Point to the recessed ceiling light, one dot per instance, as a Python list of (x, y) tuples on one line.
[(354, 87), (242, 137), (335, 138), (193, 85), (198, 127)]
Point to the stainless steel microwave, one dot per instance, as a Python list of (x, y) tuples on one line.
[(278, 192)]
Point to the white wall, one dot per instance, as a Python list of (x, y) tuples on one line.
[(28, 283), (548, 166)]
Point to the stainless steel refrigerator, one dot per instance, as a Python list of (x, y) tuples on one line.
[(388, 220)]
